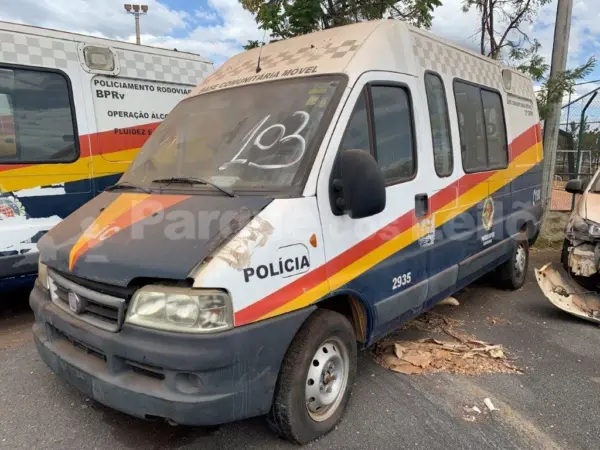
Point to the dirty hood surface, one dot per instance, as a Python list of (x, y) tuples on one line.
[(118, 237)]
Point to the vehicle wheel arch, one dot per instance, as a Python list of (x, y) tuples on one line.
[(355, 308)]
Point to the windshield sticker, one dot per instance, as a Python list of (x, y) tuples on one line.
[(261, 142), (291, 260), (259, 77)]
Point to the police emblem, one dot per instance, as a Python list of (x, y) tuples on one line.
[(487, 214), (10, 208)]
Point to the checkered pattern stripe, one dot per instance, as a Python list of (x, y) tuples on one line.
[(162, 68), (286, 59), (36, 51), (521, 86), (445, 59)]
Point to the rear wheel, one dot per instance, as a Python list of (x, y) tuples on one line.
[(512, 274), (316, 378)]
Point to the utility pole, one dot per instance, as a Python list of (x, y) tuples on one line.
[(562, 29), (137, 11)]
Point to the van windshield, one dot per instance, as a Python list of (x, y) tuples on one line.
[(253, 137)]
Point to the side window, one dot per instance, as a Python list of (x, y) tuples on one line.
[(440, 124), (381, 123), (8, 146), (41, 117), (482, 128), (495, 129), (393, 131), (471, 125), (357, 133)]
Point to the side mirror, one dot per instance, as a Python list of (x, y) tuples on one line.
[(360, 190), (574, 186)]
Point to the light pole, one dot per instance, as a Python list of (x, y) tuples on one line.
[(137, 11)]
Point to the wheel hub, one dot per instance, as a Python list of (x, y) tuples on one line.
[(326, 380), (520, 259)]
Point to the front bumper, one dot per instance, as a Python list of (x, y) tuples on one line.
[(189, 379), (565, 293)]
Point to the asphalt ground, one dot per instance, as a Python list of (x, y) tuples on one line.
[(552, 405)]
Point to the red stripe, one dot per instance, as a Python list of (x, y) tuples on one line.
[(103, 143), (281, 297), (438, 200)]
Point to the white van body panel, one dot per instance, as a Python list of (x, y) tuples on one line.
[(268, 254)]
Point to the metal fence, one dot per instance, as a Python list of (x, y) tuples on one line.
[(578, 154)]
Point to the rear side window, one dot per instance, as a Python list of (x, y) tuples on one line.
[(440, 124), (495, 129), (36, 117), (8, 146), (382, 124), (482, 128)]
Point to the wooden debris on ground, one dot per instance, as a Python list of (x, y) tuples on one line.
[(465, 355), (493, 320)]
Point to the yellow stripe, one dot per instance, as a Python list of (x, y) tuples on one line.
[(477, 193), (116, 209), (47, 174)]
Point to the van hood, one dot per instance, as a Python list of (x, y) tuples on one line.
[(590, 206), (119, 237)]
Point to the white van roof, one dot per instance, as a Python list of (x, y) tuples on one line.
[(113, 43), (387, 45)]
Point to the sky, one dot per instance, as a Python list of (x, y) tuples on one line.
[(217, 29)]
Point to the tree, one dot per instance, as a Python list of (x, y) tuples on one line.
[(251, 44), (288, 18), (503, 36)]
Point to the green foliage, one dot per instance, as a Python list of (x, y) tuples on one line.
[(503, 36), (251, 44), (554, 89), (288, 18)]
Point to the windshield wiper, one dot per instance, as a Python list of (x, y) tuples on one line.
[(192, 181), (127, 185)]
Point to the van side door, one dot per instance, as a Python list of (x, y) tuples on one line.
[(379, 258), (485, 187)]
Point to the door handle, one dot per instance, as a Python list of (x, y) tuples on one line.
[(421, 205)]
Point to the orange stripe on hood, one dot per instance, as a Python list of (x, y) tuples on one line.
[(126, 210)]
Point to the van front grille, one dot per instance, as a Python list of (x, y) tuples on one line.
[(101, 310)]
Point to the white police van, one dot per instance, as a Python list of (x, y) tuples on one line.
[(294, 208)]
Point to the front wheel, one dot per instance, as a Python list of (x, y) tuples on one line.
[(316, 378), (512, 273)]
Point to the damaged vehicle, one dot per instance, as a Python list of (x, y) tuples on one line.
[(574, 287)]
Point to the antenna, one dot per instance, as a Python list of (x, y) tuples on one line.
[(262, 44)]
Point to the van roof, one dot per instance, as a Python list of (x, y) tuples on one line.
[(114, 43), (377, 45)]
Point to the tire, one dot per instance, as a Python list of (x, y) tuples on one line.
[(326, 337), (513, 273)]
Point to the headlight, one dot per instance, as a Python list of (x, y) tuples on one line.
[(585, 227), (181, 309), (593, 229), (43, 274)]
